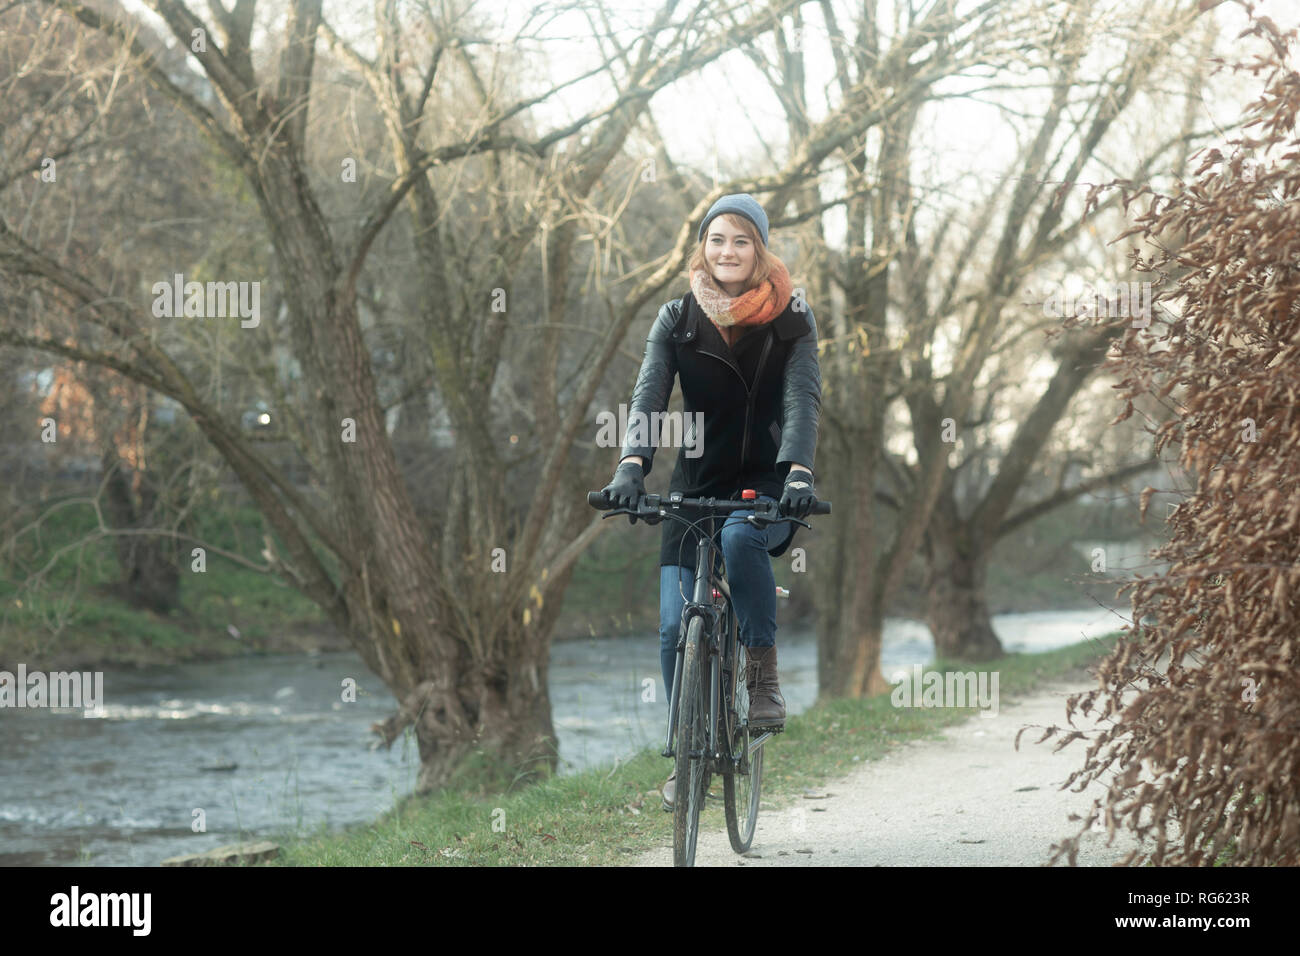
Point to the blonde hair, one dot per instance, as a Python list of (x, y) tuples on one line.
[(762, 257)]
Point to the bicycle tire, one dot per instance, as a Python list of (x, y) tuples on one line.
[(741, 790), (692, 774)]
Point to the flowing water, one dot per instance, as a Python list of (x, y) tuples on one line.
[(259, 745)]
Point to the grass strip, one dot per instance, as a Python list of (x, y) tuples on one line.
[(610, 815)]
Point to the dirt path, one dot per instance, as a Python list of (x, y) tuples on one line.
[(970, 799)]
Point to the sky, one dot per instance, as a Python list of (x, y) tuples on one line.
[(721, 116)]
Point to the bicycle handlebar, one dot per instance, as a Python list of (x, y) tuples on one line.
[(650, 505)]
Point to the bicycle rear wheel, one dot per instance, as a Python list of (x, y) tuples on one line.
[(692, 772), (741, 788)]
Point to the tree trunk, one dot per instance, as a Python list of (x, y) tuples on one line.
[(420, 460), (850, 624), (955, 605), (512, 737), (148, 562), (857, 642)]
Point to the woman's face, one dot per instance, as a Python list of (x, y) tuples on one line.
[(730, 254)]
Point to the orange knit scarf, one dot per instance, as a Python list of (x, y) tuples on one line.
[(758, 306)]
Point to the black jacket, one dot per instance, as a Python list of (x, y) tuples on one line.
[(761, 403)]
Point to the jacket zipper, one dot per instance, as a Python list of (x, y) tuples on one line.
[(750, 393), (753, 394)]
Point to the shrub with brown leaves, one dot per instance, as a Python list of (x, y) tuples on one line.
[(1206, 751)]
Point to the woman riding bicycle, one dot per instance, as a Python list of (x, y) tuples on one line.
[(745, 350)]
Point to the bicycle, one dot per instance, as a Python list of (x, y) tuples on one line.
[(709, 703)]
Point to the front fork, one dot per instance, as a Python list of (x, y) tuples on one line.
[(712, 614), (717, 674), (708, 611), (674, 698)]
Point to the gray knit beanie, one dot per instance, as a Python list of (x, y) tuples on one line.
[(743, 204)]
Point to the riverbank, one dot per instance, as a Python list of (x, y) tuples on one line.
[(612, 815), (225, 613), (82, 622), (79, 617)]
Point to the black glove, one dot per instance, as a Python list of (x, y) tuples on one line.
[(797, 498), (627, 487)]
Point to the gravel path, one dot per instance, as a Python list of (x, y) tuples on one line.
[(970, 799)]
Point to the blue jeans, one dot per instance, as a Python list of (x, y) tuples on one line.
[(749, 575)]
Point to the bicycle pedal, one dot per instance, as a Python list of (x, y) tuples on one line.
[(757, 729)]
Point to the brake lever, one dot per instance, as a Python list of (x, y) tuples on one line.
[(759, 521), (653, 518)]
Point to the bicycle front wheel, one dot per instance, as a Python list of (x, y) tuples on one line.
[(692, 762)]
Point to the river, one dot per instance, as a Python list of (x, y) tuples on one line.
[(127, 787)]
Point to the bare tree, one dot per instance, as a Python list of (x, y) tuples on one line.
[(960, 534), (463, 649), (902, 290)]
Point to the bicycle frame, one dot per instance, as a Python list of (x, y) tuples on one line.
[(716, 612)]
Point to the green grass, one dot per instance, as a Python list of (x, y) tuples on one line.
[(607, 815)]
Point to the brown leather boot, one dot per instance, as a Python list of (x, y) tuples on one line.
[(766, 705)]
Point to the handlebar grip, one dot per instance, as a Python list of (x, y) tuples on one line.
[(598, 500), (822, 508)]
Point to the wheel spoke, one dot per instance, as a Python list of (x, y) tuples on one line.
[(743, 788)]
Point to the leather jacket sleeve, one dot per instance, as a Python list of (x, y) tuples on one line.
[(801, 401), (654, 383)]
